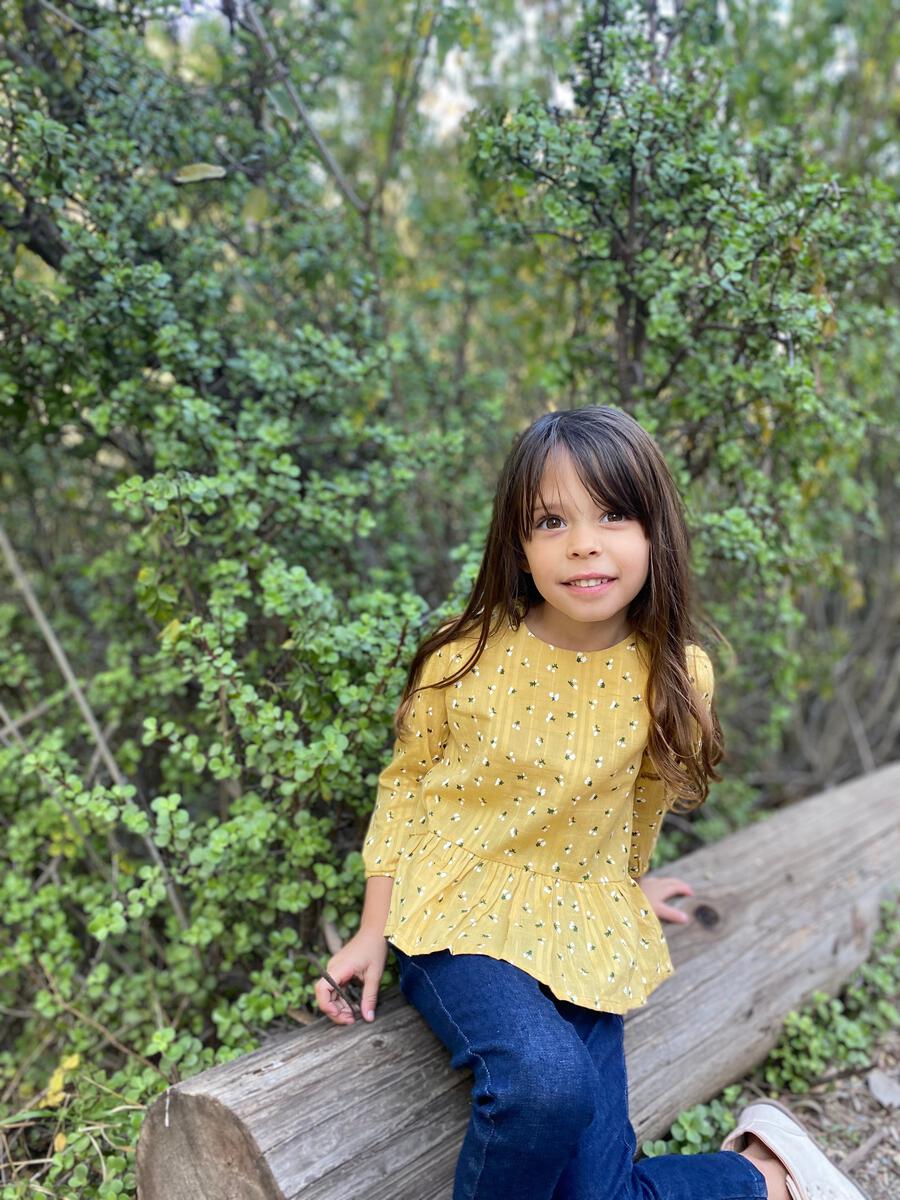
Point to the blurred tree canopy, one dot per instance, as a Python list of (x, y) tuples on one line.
[(271, 315)]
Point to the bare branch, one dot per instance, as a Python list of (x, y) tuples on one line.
[(404, 96), (11, 726), (68, 674), (343, 183)]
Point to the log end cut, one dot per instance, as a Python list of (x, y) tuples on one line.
[(193, 1148)]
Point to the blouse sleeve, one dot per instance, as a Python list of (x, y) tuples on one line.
[(650, 798), (415, 752)]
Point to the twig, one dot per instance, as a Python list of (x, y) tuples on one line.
[(863, 749), (404, 96), (59, 654), (861, 1152), (101, 1029), (36, 1051), (77, 828), (69, 675), (13, 724), (95, 757), (348, 1000), (354, 1007)]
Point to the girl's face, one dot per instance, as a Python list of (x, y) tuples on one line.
[(573, 538)]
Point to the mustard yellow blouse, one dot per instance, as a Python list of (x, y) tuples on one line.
[(520, 809)]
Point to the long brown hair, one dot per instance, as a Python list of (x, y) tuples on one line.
[(624, 470)]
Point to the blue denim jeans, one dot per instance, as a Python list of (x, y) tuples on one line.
[(549, 1118)]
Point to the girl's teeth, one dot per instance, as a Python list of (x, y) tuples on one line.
[(587, 582)]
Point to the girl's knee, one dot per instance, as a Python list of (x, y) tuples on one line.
[(556, 1092)]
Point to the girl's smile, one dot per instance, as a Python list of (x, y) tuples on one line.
[(592, 584), (587, 562)]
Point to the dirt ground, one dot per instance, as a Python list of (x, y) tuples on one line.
[(859, 1133)]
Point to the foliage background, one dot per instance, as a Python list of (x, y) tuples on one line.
[(251, 423)]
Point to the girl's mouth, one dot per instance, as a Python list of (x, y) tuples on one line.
[(590, 587)]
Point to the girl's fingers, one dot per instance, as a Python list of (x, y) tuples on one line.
[(331, 1002), (669, 913), (370, 993), (676, 887)]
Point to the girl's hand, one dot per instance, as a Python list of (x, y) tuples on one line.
[(660, 888), (363, 958)]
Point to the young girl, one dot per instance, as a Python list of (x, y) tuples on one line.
[(541, 737)]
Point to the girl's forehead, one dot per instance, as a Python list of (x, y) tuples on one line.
[(563, 478)]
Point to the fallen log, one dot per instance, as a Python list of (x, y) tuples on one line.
[(781, 909)]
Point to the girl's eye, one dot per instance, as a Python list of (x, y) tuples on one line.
[(615, 518)]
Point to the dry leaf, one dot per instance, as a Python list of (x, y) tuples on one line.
[(301, 1016), (196, 172), (333, 939), (885, 1088)]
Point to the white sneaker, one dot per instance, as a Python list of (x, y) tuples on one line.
[(810, 1175)]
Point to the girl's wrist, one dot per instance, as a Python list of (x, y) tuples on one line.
[(372, 927)]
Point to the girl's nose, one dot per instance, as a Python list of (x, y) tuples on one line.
[(585, 539)]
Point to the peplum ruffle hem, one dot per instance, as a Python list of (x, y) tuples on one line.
[(588, 940)]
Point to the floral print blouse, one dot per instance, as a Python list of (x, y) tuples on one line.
[(520, 809)]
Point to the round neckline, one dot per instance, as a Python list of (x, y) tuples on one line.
[(581, 654)]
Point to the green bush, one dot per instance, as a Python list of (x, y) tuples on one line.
[(833, 1032), (699, 1129)]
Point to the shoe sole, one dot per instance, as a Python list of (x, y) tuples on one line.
[(787, 1112)]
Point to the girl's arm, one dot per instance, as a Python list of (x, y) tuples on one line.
[(648, 809), (393, 820), (650, 799), (377, 904), (415, 752)]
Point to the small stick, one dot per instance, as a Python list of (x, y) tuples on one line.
[(354, 1007), (862, 1152)]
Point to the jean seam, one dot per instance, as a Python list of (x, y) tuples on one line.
[(627, 1099), (473, 1054)]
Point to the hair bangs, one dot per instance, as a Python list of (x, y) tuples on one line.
[(604, 466), (607, 471)]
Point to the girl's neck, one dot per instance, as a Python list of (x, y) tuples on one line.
[(590, 641)]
